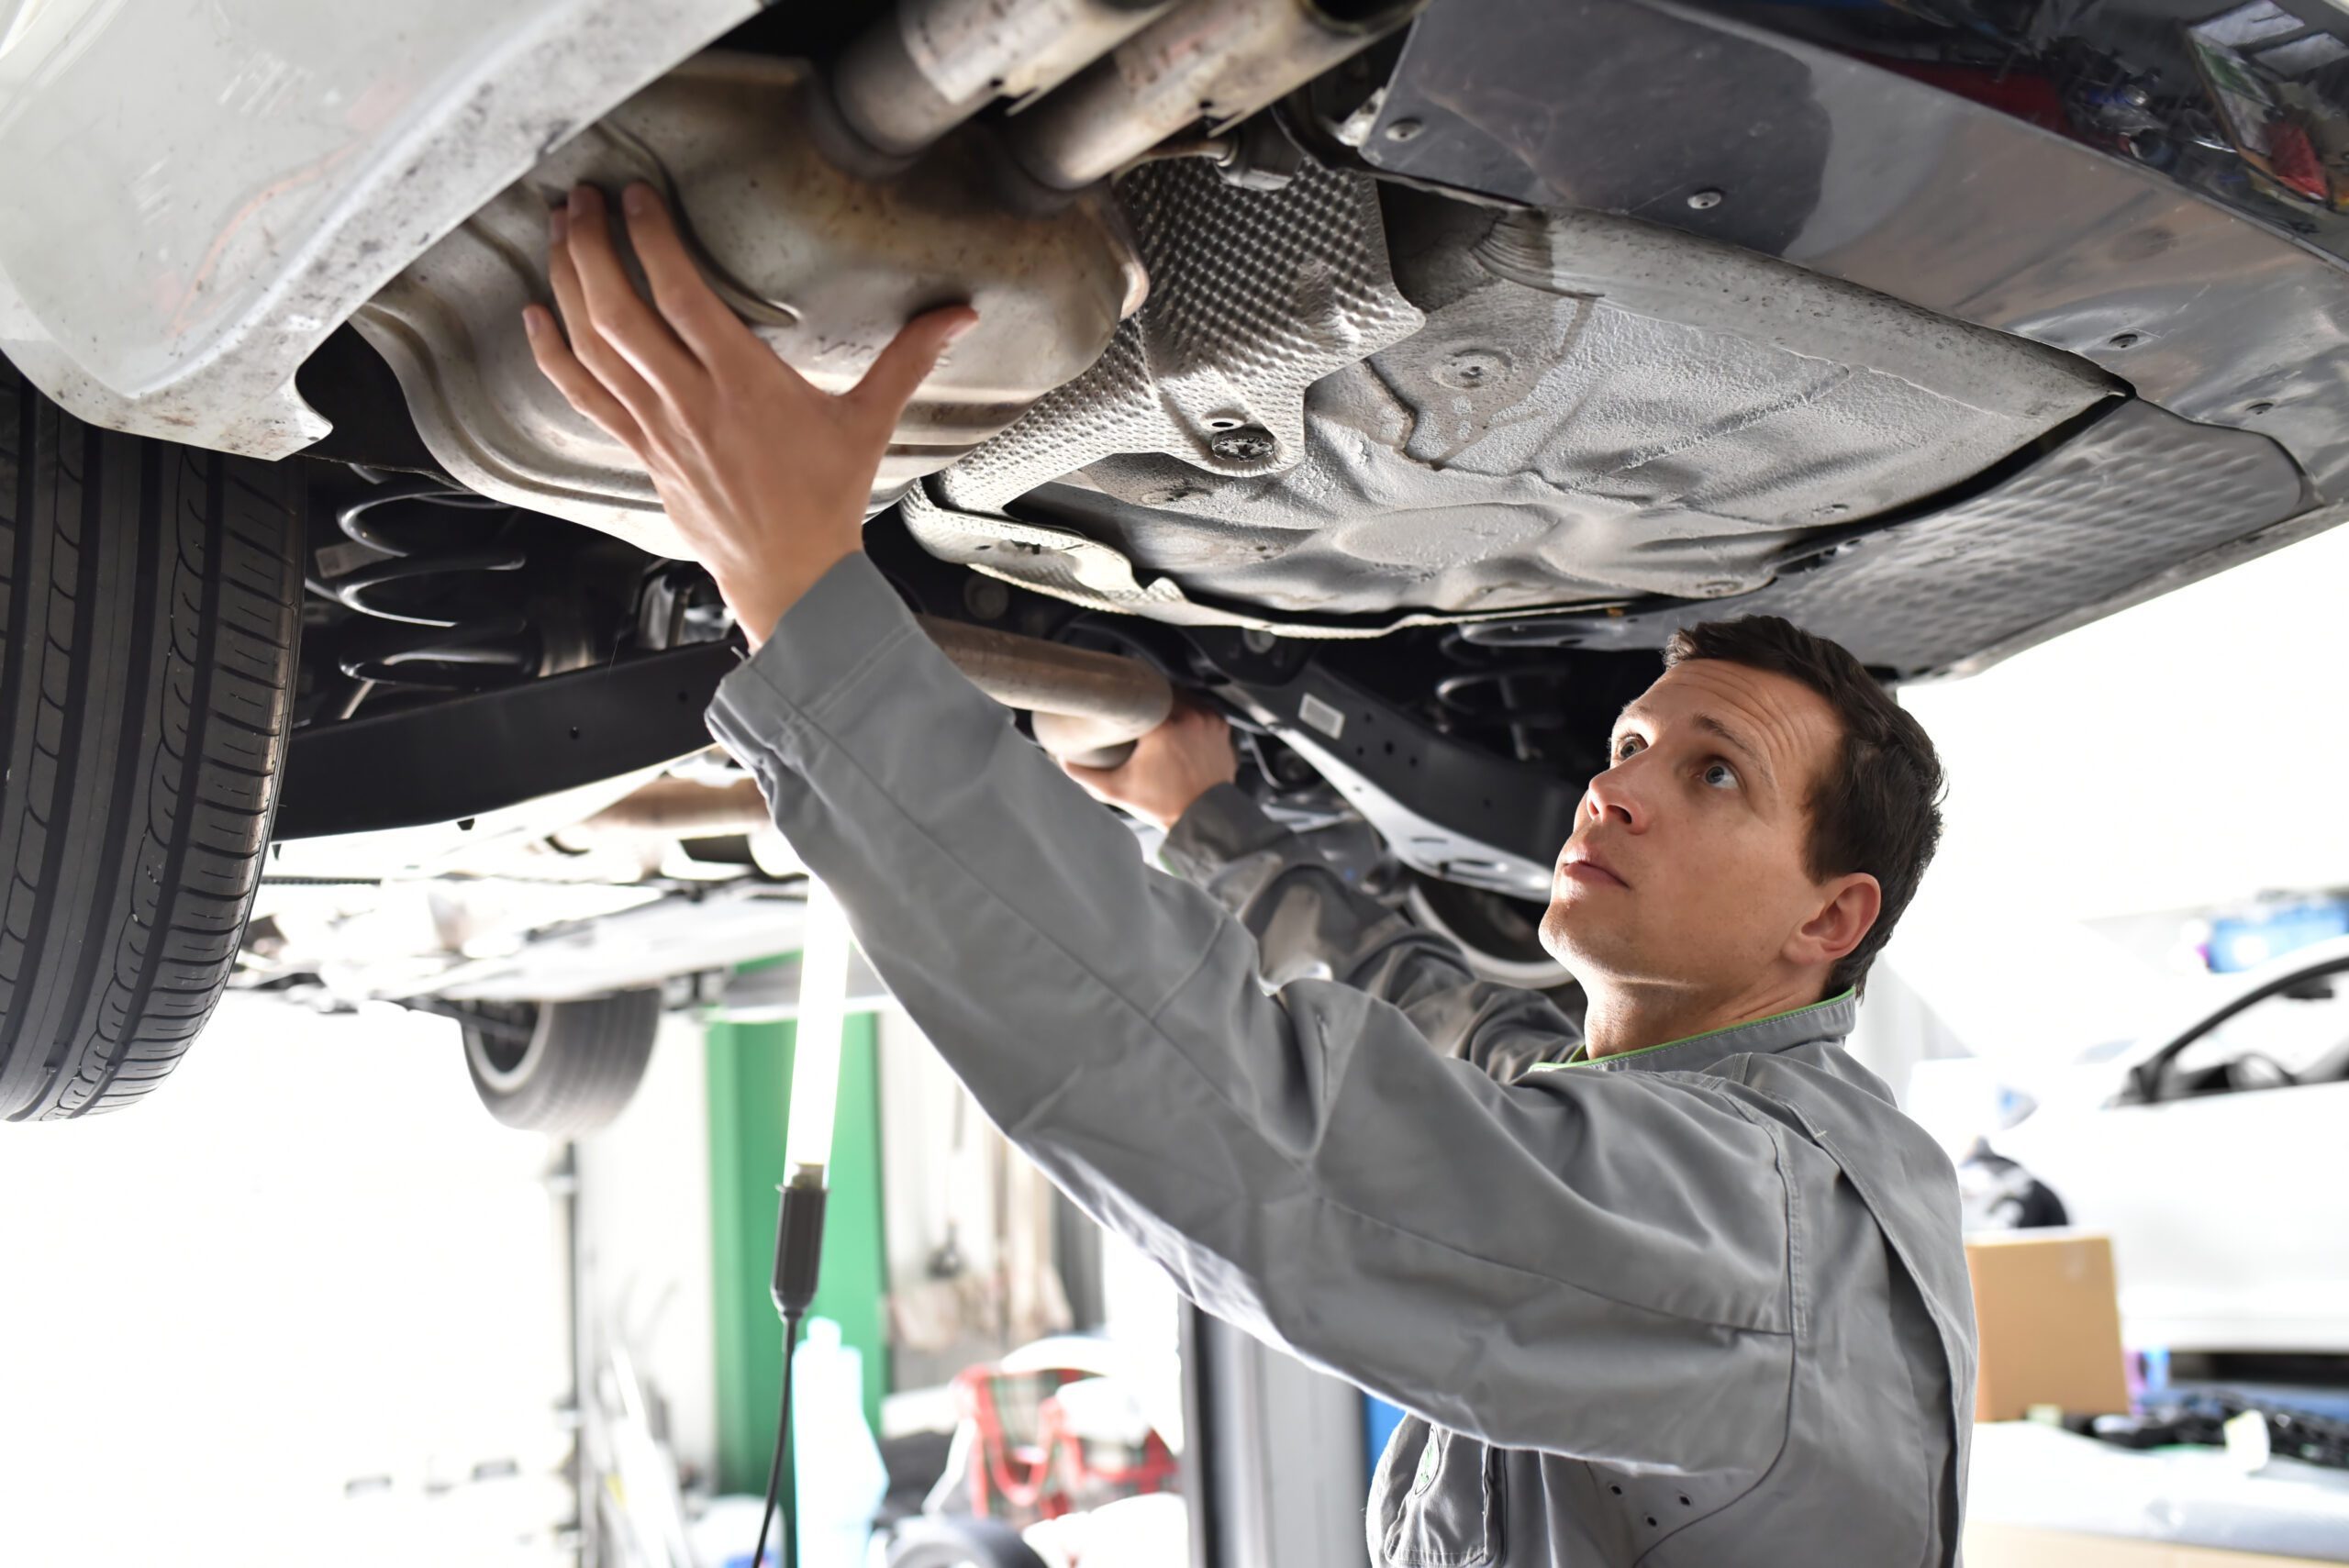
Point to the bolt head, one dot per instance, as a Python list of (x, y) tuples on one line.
[(1250, 443), (1467, 369), (1404, 129), (985, 598)]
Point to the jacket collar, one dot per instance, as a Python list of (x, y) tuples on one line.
[(1829, 1021)]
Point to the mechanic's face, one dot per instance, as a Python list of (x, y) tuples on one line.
[(1685, 868)]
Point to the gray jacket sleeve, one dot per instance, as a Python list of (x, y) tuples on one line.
[(1308, 924), (1588, 1262)]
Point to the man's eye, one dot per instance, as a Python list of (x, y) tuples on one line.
[(1625, 747), (1720, 775)]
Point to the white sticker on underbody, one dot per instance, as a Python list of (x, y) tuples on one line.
[(1321, 716)]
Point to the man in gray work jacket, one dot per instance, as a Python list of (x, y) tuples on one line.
[(1679, 1287)]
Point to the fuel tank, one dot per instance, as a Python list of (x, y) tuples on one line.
[(823, 249)]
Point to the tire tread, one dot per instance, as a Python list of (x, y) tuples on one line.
[(148, 621)]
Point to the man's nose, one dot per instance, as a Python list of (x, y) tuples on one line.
[(1614, 796)]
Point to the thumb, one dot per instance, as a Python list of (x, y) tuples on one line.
[(906, 363), (1098, 781)]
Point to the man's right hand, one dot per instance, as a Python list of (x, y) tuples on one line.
[(1171, 767)]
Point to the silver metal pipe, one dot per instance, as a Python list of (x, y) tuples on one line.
[(1089, 707), (931, 64), (1217, 60), (684, 809)]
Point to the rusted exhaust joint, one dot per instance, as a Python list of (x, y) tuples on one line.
[(1089, 707)]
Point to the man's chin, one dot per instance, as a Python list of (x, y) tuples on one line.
[(1555, 941), (1576, 935)]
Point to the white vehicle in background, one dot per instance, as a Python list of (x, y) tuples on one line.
[(2184, 1148)]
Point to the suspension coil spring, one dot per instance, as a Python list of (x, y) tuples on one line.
[(1527, 698), (430, 624)]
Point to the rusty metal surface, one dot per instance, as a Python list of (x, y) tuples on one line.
[(825, 265)]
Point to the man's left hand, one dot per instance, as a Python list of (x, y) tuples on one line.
[(766, 477), (1169, 769)]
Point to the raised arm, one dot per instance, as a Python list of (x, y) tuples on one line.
[(1307, 920)]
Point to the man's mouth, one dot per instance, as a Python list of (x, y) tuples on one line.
[(1581, 865)]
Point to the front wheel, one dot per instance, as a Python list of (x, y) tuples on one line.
[(149, 601)]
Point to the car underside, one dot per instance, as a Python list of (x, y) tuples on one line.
[(1395, 377)]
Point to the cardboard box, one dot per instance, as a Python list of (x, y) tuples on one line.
[(2049, 1322)]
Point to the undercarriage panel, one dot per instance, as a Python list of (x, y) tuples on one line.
[(1594, 411)]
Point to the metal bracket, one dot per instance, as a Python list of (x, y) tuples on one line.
[(1445, 807), (476, 755)]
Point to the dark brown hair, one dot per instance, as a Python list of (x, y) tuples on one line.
[(1878, 806)]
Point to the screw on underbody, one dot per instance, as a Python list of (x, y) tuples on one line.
[(1250, 443)]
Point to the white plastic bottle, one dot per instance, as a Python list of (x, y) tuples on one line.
[(838, 1464)]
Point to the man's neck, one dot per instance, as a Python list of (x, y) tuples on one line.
[(1635, 1016)]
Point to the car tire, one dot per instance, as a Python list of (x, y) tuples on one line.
[(564, 1069), (149, 606)]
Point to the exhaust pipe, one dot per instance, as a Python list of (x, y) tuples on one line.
[(1089, 707), (917, 74), (1217, 60), (680, 808)]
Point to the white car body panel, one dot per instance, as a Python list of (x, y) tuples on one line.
[(194, 192), (2226, 1235), (2223, 1240)]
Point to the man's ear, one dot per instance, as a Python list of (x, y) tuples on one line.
[(1841, 924)]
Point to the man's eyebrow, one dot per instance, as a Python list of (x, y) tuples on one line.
[(1738, 743)]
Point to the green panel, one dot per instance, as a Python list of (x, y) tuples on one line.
[(750, 1078)]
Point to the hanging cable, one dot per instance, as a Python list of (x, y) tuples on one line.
[(808, 1155)]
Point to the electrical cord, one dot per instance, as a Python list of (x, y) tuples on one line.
[(774, 1471), (798, 1250)]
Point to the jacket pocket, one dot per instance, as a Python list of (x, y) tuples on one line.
[(1437, 1501)]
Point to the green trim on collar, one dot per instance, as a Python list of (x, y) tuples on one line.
[(1581, 1058)]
